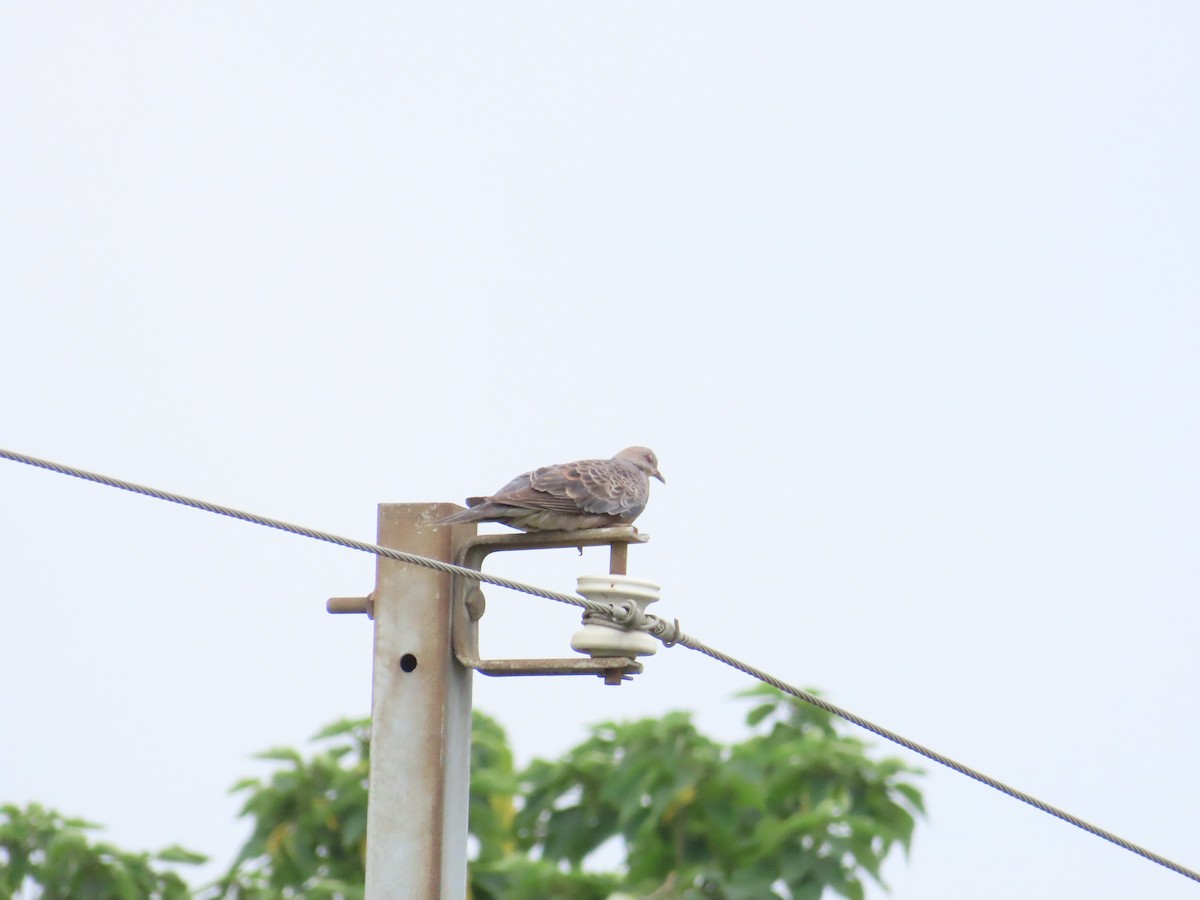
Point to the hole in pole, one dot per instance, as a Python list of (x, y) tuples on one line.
[(408, 662)]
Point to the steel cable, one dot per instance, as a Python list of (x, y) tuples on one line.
[(936, 757), (626, 615), (351, 543)]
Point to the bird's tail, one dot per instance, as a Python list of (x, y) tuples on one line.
[(463, 515)]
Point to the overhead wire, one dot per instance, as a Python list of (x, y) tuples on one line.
[(302, 531), (627, 615)]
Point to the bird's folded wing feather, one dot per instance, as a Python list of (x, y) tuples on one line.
[(591, 485), (535, 490)]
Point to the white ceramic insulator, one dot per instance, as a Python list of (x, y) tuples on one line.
[(597, 639)]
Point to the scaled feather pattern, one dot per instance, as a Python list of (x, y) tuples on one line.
[(587, 493)]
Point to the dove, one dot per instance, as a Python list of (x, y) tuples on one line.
[(588, 493)]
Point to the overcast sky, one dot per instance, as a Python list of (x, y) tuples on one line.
[(904, 295)]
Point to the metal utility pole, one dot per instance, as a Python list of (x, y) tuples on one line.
[(426, 649), (420, 718)]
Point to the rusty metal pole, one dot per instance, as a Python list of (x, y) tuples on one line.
[(420, 719), (618, 559)]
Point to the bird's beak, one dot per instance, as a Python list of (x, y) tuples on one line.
[(657, 474)]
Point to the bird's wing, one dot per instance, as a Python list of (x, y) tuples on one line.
[(610, 487), (539, 489)]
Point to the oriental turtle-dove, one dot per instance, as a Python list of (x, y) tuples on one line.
[(589, 493)]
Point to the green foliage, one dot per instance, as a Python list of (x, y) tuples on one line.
[(791, 811), (500, 870), (45, 856), (310, 822), (796, 804), (518, 877), (309, 835)]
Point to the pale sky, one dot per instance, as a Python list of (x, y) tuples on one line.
[(904, 295)]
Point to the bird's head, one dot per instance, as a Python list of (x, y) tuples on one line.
[(644, 459)]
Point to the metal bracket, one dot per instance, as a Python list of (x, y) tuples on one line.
[(468, 602)]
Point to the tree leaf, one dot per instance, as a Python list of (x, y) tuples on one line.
[(177, 854)]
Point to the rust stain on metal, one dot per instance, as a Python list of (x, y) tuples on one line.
[(618, 559)]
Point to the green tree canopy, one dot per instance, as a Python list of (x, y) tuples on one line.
[(793, 810), (795, 804), (46, 856)]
